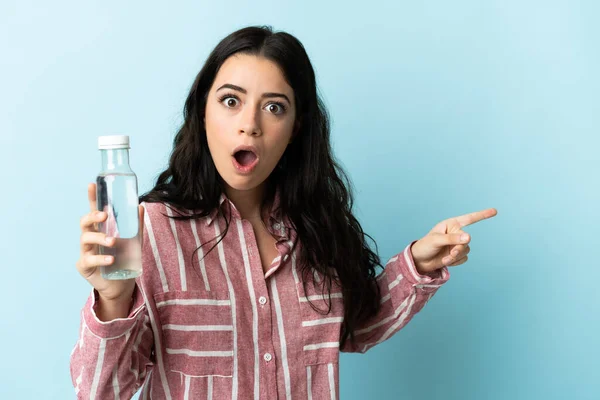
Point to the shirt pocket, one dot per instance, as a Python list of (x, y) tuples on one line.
[(197, 331), (320, 328)]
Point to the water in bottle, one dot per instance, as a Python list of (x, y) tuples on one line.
[(117, 195)]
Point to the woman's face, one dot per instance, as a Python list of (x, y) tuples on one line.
[(250, 115)]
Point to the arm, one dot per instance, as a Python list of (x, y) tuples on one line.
[(111, 359), (404, 292)]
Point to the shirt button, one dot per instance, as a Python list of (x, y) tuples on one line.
[(262, 300), (268, 357)]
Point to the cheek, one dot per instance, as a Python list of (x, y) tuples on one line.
[(277, 145), (214, 125)]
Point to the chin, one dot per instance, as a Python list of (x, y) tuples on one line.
[(242, 183)]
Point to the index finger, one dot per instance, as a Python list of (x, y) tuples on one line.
[(92, 197), (471, 218)]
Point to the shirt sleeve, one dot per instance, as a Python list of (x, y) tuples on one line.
[(111, 359), (404, 292)]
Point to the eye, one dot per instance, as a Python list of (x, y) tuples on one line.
[(276, 108), (229, 100)]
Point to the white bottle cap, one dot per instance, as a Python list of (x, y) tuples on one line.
[(113, 142)]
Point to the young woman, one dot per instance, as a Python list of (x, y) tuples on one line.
[(256, 273)]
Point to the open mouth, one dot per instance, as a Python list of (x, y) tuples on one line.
[(245, 157)]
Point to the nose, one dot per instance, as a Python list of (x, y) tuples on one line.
[(250, 124)]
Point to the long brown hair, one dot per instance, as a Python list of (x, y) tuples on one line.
[(315, 193)]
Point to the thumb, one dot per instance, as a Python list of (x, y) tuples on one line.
[(450, 239)]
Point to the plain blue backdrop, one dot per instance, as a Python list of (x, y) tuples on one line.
[(438, 108)]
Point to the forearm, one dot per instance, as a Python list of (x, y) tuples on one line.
[(117, 350), (404, 292)]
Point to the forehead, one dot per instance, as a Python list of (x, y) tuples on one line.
[(253, 73)]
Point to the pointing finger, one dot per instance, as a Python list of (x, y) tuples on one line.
[(471, 218)]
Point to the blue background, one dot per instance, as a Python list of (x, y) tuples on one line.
[(438, 108)]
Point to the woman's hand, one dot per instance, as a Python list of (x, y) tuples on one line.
[(446, 245), (90, 260)]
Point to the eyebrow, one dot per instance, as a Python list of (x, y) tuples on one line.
[(264, 95)]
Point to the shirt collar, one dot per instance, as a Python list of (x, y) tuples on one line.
[(279, 224), (211, 217)]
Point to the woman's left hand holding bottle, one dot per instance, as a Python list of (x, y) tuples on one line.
[(114, 296)]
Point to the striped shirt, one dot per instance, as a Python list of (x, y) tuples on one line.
[(214, 325)]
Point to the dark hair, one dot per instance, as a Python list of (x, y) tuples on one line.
[(315, 193)]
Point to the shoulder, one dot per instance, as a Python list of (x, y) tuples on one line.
[(152, 208), (155, 213), (158, 208), (161, 212)]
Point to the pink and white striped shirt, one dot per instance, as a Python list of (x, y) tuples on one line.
[(218, 327)]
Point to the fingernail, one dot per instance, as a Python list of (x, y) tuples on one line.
[(464, 237), (108, 240), (108, 259)]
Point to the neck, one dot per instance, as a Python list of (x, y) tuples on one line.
[(247, 202)]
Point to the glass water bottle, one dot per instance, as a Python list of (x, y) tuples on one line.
[(117, 195)]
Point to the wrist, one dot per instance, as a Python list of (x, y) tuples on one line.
[(108, 309)]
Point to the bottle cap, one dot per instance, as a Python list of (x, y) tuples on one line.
[(113, 142)]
